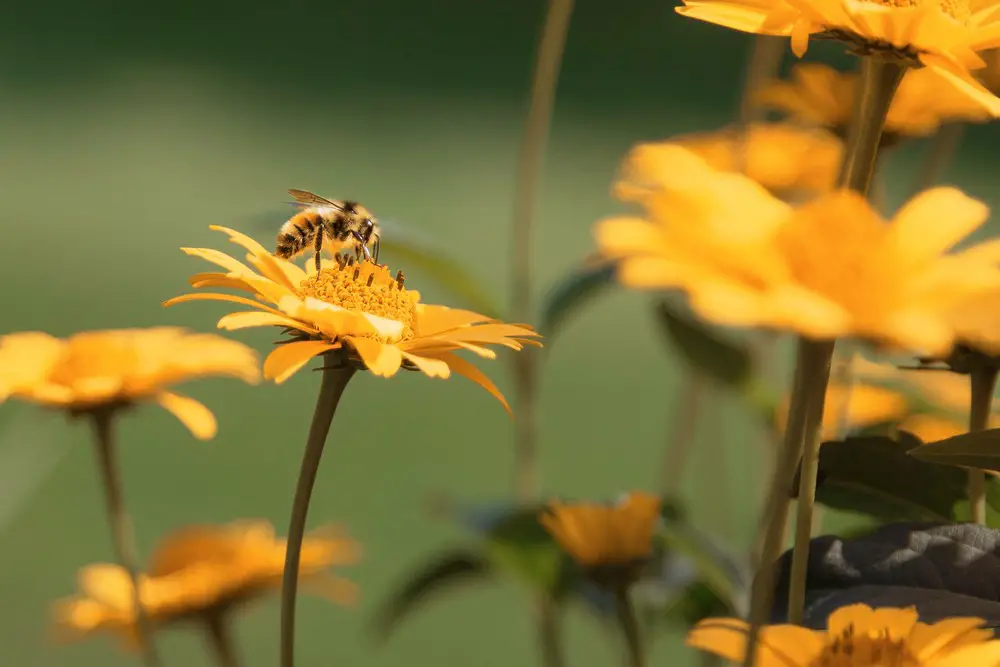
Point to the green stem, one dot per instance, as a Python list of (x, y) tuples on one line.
[(121, 525), (550, 633), (775, 520), (545, 79), (221, 641), (335, 379), (628, 623), (683, 432), (983, 381)]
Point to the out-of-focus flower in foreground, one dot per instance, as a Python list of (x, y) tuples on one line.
[(857, 636), (361, 310), (96, 370), (830, 268), (786, 159), (200, 573), (944, 37), (820, 95), (609, 541)]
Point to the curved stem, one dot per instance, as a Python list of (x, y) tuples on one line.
[(221, 640), (683, 432), (335, 379), (634, 652), (983, 381), (121, 526), (545, 79)]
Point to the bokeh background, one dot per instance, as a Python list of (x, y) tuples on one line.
[(127, 130)]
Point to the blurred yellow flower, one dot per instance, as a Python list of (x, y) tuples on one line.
[(830, 268), (786, 159), (361, 310), (199, 573), (854, 407), (597, 535), (942, 36), (857, 636), (116, 368), (820, 95)]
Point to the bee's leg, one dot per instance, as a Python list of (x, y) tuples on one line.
[(319, 248), (361, 248)]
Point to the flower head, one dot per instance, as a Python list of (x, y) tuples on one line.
[(99, 369), (857, 636), (830, 268), (200, 571), (820, 95), (943, 36), (786, 159), (361, 310), (610, 539)]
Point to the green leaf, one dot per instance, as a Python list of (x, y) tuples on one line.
[(445, 571), (520, 545), (406, 249), (721, 359), (980, 449), (877, 476), (571, 293)]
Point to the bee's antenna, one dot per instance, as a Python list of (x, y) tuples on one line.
[(375, 246)]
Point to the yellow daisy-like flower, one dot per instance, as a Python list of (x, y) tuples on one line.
[(786, 159), (820, 95), (608, 540), (828, 269), (856, 636), (362, 310), (105, 369), (199, 573), (942, 36)]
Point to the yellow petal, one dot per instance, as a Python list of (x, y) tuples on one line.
[(290, 357), (196, 417), (733, 16), (246, 319), (230, 298), (469, 371), (935, 220), (434, 368), (220, 259), (380, 358), (976, 655)]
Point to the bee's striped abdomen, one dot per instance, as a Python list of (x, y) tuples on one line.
[(298, 233)]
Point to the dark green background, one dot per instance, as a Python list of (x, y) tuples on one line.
[(126, 132)]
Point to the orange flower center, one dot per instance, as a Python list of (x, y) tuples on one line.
[(851, 650), (366, 288)]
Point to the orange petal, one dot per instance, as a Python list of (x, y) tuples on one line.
[(434, 368), (256, 318), (221, 259), (469, 371), (196, 417), (290, 357), (380, 358), (929, 224), (230, 298), (432, 319)]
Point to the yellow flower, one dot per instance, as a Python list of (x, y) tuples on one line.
[(106, 369), (830, 268), (821, 95), (603, 536), (942, 36), (361, 310), (857, 636), (865, 405), (784, 158), (200, 572)]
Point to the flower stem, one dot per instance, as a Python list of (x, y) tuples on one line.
[(942, 150), (121, 526), (545, 79), (775, 520), (221, 640), (683, 432), (634, 653), (983, 381), (550, 633), (335, 379)]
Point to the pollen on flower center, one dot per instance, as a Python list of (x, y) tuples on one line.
[(366, 288), (853, 650)]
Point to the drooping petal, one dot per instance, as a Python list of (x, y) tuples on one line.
[(381, 359), (288, 358), (469, 371), (196, 417), (434, 368)]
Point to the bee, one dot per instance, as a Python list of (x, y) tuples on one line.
[(345, 224)]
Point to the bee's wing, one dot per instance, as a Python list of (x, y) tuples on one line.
[(310, 199)]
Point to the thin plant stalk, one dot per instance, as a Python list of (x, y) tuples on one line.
[(983, 382), (550, 632), (545, 79), (635, 653), (335, 379), (810, 361), (220, 640), (876, 87), (683, 432), (121, 526), (941, 152)]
